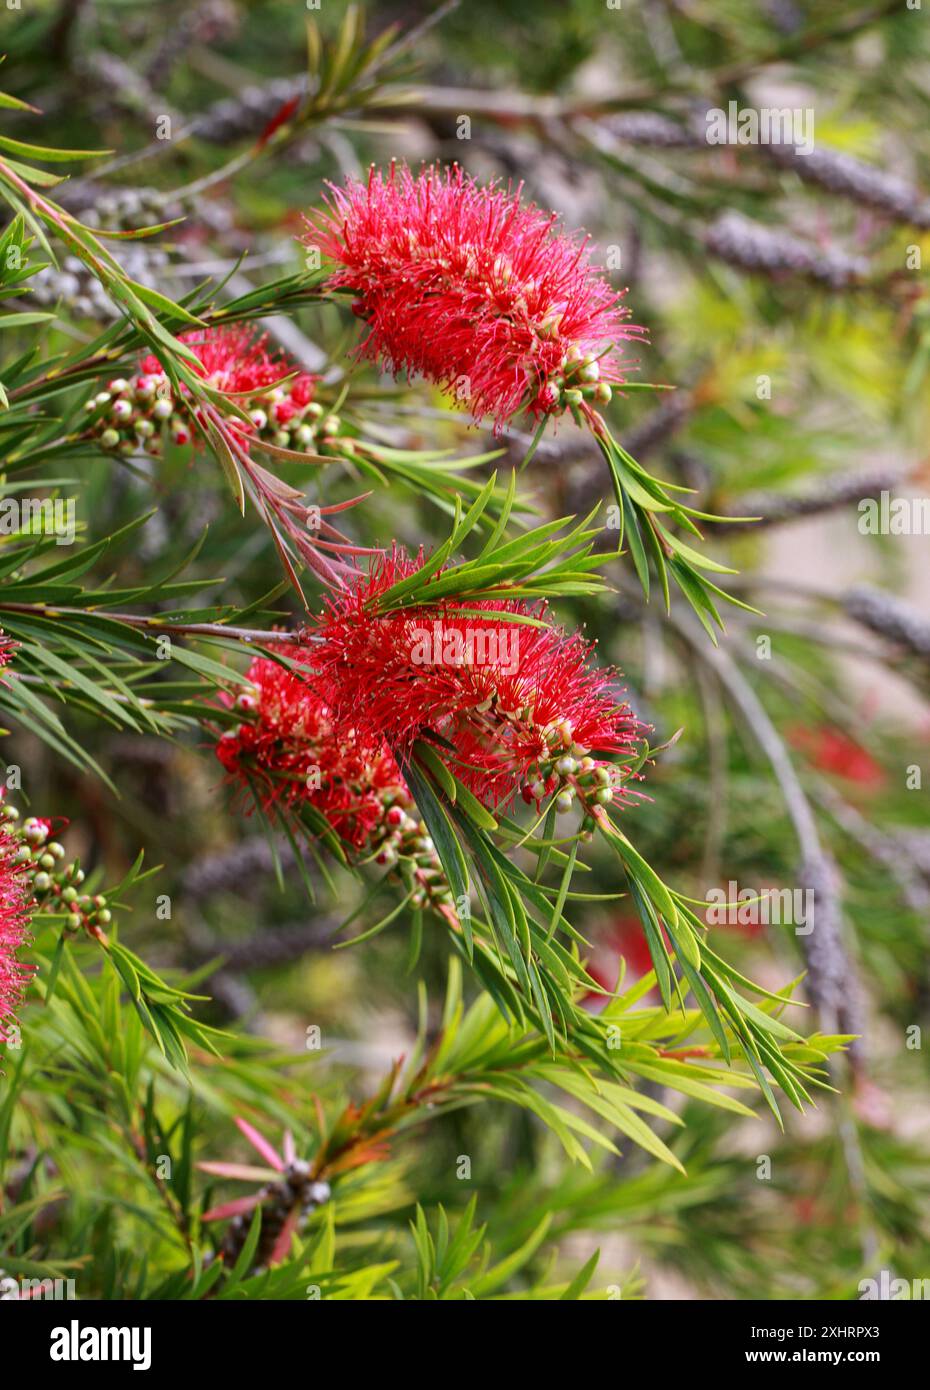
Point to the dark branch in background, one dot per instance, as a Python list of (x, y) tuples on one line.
[(752, 246), (60, 36), (210, 22), (824, 948), (264, 949), (246, 864), (832, 980), (893, 851), (848, 177), (831, 493), (890, 618)]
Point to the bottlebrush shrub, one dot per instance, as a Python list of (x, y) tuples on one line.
[(478, 700), (479, 293), (435, 750)]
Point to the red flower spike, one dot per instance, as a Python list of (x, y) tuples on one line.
[(292, 753), (473, 290), (517, 704), (16, 905), (291, 748), (231, 358)]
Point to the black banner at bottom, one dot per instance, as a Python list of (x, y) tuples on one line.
[(64, 1338)]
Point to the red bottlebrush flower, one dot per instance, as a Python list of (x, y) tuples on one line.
[(515, 705), (302, 388), (831, 750), (132, 414), (624, 939), (232, 359), (292, 753), (473, 290), (15, 911), (290, 748)]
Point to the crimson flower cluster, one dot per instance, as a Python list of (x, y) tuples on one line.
[(513, 706), (138, 412), (15, 912), (15, 908), (291, 753), (475, 291)]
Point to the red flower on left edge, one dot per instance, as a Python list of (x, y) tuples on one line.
[(15, 911), (16, 901)]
